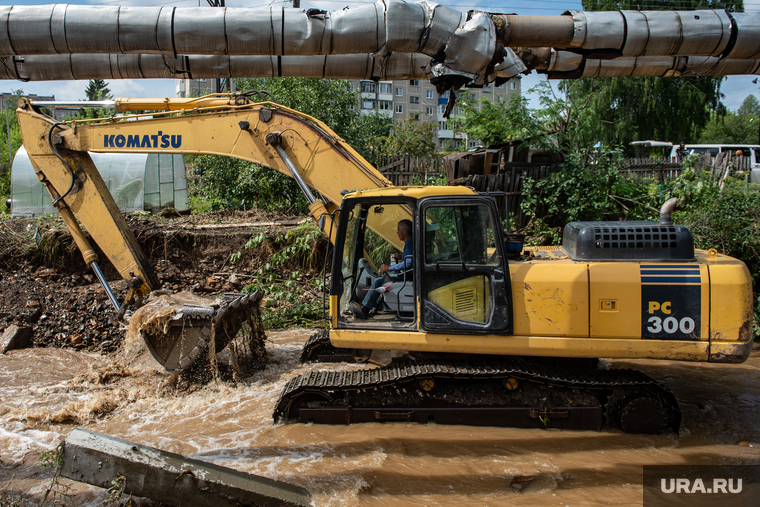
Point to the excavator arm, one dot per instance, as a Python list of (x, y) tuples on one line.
[(264, 133)]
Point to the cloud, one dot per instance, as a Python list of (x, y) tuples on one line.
[(74, 90)]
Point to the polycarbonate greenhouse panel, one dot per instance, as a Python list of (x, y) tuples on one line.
[(132, 179)]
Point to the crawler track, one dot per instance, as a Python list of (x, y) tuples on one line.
[(319, 349), (504, 392)]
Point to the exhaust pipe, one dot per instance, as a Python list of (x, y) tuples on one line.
[(667, 210)]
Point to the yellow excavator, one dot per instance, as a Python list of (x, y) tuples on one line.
[(479, 330)]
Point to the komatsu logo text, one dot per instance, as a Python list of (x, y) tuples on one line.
[(159, 140)]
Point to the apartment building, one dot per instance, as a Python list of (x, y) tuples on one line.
[(186, 88), (418, 99)]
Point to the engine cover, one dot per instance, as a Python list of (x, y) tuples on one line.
[(623, 241)]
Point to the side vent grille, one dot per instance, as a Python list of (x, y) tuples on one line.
[(636, 237), (464, 301)]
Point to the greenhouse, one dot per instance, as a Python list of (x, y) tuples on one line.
[(137, 182)]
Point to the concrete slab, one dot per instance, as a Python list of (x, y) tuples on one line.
[(169, 478), (15, 337)]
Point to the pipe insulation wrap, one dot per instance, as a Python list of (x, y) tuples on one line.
[(658, 66), (118, 66), (747, 44), (390, 26), (653, 33), (382, 28)]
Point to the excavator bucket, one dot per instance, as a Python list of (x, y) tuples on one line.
[(180, 329)]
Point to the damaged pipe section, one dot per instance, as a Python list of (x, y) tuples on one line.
[(460, 44), (471, 48), (99, 66)]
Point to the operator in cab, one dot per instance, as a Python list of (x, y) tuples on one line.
[(395, 270)]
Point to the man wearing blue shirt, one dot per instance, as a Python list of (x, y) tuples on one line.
[(372, 299)]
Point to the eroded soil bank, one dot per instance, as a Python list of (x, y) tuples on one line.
[(45, 284)]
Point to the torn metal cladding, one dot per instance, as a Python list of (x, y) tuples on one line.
[(394, 26), (390, 39)]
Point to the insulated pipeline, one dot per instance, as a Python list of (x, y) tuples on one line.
[(556, 64), (119, 66), (388, 26)]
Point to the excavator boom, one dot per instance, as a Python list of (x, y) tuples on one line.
[(264, 133)]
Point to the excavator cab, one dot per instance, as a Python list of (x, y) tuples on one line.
[(458, 280)]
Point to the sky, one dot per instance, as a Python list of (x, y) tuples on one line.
[(735, 88)]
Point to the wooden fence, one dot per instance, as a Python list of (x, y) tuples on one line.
[(669, 167), (507, 186), (409, 170)]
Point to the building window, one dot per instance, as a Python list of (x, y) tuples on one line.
[(501, 86), (414, 116), (349, 87), (414, 100), (414, 82), (486, 89), (385, 88), (429, 112), (399, 92), (512, 85), (429, 94), (399, 108), (368, 104), (384, 105), (202, 80), (368, 87)]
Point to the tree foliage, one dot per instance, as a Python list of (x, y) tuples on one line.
[(97, 89), (494, 122), (409, 137), (8, 121), (328, 100), (233, 182), (562, 124), (641, 108), (741, 127)]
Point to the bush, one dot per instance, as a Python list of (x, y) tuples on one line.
[(578, 192), (223, 182), (729, 221)]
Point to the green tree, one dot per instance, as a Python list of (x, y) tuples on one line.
[(562, 124), (367, 133), (494, 122), (741, 127), (233, 182), (8, 121), (328, 100), (750, 106), (97, 89), (639, 108), (410, 137)]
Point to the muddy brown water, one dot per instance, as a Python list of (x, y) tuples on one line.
[(45, 393)]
